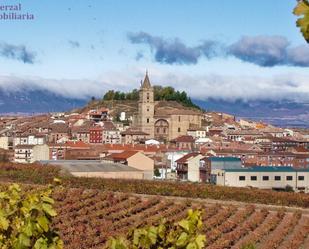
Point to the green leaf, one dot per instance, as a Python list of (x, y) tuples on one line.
[(200, 240), (43, 222), (49, 209), (182, 240), (41, 244), (4, 223), (185, 224)]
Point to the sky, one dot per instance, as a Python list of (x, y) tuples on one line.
[(221, 49)]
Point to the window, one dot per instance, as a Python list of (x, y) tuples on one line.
[(178, 129), (301, 178), (253, 178), (242, 178), (277, 178), (289, 178), (265, 178), (147, 120), (178, 118)]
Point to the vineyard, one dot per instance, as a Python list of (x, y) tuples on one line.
[(37, 174), (87, 218)]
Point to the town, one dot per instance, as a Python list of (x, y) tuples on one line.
[(160, 140)]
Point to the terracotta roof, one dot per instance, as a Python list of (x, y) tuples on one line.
[(301, 149), (186, 157), (96, 128), (77, 144), (123, 155), (184, 139)]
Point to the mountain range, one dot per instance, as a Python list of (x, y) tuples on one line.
[(283, 113)]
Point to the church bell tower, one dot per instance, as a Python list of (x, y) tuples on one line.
[(146, 107)]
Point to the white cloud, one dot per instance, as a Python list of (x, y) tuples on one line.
[(292, 86)]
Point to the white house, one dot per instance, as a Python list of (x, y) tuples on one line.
[(31, 153)]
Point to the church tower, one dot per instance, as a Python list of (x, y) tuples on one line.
[(146, 107)]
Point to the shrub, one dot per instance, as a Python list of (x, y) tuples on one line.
[(25, 219), (183, 234)]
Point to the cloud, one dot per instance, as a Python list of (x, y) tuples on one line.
[(298, 56), (172, 51), (17, 52), (269, 51), (139, 55), (289, 86), (264, 51), (74, 44)]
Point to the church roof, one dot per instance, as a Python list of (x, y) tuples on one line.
[(146, 83)]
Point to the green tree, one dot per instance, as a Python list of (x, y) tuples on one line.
[(302, 10), (109, 95)]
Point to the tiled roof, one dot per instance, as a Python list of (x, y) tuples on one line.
[(123, 155), (186, 157), (184, 139)]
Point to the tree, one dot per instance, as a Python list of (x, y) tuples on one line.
[(302, 10)]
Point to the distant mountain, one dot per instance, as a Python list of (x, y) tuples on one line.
[(284, 113), (36, 101)]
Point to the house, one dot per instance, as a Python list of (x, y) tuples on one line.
[(111, 135), (132, 136), (4, 142), (59, 151), (184, 142), (59, 131), (96, 135), (135, 159), (29, 139), (31, 153), (98, 115), (81, 133), (197, 133), (191, 168), (265, 178)]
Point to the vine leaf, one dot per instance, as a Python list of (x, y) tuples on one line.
[(302, 10)]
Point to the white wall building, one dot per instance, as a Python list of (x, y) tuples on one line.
[(264, 178)]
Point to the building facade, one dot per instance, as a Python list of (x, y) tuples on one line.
[(160, 121)]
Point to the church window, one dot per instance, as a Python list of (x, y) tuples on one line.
[(178, 129), (147, 120)]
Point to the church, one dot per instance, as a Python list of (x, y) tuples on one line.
[(163, 120)]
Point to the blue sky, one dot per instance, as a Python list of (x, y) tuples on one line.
[(226, 49)]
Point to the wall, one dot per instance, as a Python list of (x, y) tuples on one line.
[(113, 175), (4, 143), (142, 162)]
